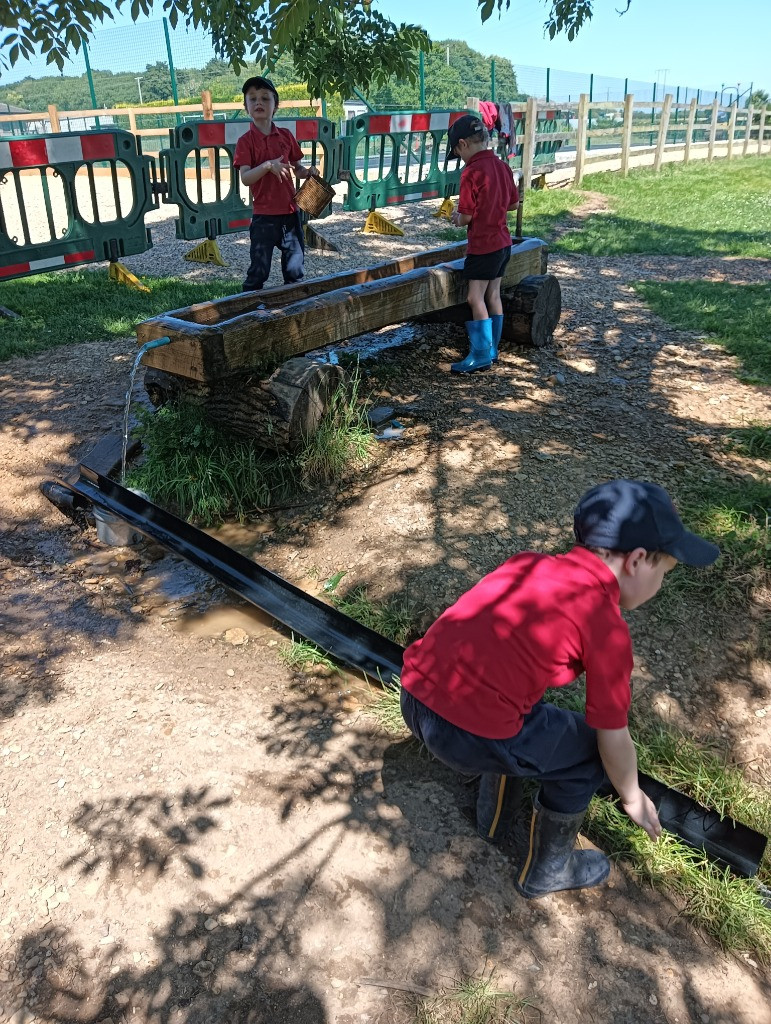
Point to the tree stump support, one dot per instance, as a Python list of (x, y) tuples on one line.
[(531, 311), (278, 413)]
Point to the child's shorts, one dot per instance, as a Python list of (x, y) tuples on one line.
[(486, 266)]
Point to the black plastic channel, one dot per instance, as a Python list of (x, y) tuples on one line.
[(340, 636), (727, 841)]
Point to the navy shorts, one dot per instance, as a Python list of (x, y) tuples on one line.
[(486, 266)]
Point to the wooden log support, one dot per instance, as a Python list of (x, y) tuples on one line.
[(531, 310), (278, 413), (259, 339)]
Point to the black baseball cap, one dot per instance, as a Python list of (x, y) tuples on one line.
[(464, 128), (258, 82), (622, 515)]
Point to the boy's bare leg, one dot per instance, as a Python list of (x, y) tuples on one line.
[(492, 297), (476, 299)]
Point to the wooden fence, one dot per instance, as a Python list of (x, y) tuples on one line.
[(43, 122), (741, 132)]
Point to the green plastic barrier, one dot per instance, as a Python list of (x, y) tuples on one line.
[(76, 221), (548, 121), (209, 199), (399, 158)]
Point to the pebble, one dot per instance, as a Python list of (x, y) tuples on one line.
[(230, 672), (203, 967), (236, 636), (210, 924)]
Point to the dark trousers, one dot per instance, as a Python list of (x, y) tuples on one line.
[(275, 231), (555, 746)]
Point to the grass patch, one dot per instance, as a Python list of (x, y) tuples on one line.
[(473, 1000), (753, 440), (301, 654), (386, 708), (395, 617), (206, 475), (688, 211), (735, 316), (735, 517), (69, 308)]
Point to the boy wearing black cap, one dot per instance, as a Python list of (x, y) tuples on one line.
[(472, 687), (487, 192), (267, 155)]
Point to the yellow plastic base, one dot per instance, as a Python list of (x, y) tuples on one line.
[(206, 252), (445, 210), (376, 224), (122, 275)]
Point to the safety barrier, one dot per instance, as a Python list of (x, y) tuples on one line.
[(548, 122), (409, 152), (202, 181), (56, 175)]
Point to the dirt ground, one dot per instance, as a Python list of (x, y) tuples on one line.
[(190, 832)]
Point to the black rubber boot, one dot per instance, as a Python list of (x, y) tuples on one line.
[(552, 864)]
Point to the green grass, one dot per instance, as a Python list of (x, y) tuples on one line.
[(206, 475), (68, 308), (395, 617), (753, 440), (735, 316), (301, 654), (734, 516), (473, 1000), (702, 209)]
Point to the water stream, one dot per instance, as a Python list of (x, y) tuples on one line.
[(156, 343)]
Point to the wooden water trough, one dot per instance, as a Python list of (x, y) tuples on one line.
[(239, 355)]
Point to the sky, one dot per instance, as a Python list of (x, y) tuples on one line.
[(695, 43)]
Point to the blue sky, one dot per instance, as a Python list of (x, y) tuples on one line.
[(701, 43)]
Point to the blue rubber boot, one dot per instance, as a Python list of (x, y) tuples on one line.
[(480, 333), (552, 864), (497, 320)]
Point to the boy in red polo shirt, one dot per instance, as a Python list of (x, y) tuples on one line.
[(267, 156), (472, 687), (487, 192)]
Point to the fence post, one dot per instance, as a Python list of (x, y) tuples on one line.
[(591, 97), (208, 115), (712, 131), (472, 103), (528, 145), (132, 120), (91, 89), (548, 78), (761, 130), (422, 71), (172, 72), (653, 115), (626, 132), (583, 108), (691, 123), (53, 117), (663, 129), (747, 130), (492, 79), (731, 130)]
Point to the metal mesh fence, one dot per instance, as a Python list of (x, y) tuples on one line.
[(147, 63)]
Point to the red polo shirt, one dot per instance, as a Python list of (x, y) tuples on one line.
[(487, 191), (536, 621), (270, 194)]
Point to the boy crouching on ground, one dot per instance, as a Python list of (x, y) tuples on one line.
[(472, 687)]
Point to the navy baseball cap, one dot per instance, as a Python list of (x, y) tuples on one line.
[(464, 128), (622, 515), (258, 82)]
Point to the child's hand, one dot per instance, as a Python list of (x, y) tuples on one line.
[(279, 168), (643, 813), (312, 172), (455, 217)]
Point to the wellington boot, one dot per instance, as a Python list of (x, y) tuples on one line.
[(480, 333), (497, 320), (552, 863)]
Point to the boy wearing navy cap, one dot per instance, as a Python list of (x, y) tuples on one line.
[(266, 156), (472, 687), (487, 192)]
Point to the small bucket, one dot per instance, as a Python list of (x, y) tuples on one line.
[(115, 531), (313, 196)]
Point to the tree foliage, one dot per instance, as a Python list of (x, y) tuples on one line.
[(336, 45)]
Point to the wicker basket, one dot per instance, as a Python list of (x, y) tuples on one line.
[(313, 196)]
